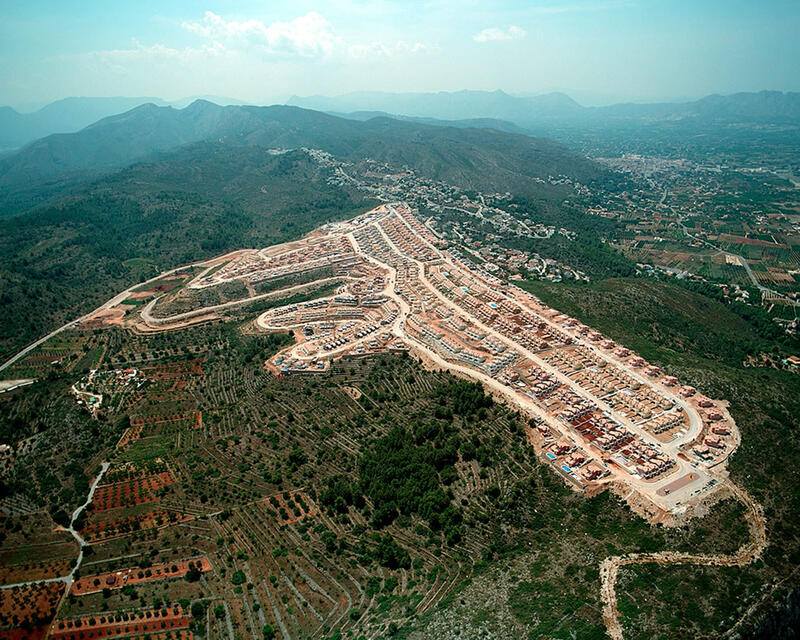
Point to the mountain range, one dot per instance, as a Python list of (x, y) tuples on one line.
[(170, 185), (62, 116), (467, 156), (457, 105), (761, 107), (542, 114), (474, 139), (73, 114)]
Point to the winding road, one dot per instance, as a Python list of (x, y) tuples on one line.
[(748, 553), (117, 299), (187, 316)]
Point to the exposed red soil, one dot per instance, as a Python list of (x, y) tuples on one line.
[(130, 492), (104, 318), (107, 625), (175, 370), (33, 604), (119, 579), (102, 531), (14, 573), (157, 289), (35, 633), (131, 435)]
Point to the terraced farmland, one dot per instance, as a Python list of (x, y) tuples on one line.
[(214, 457)]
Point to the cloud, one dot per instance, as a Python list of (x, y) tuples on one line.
[(494, 34), (309, 35), (118, 60), (383, 49), (226, 44)]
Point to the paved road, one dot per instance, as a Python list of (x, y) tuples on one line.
[(107, 305), (152, 321), (117, 299)]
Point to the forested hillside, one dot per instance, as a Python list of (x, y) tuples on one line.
[(206, 183), (64, 259), (477, 158)]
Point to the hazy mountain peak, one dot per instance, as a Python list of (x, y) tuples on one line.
[(200, 105), (63, 116), (556, 97)]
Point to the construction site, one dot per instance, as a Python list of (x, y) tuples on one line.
[(598, 413)]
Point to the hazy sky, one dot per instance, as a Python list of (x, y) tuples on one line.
[(261, 52)]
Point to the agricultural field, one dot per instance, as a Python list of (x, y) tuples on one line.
[(172, 482), (30, 562), (140, 487), (121, 579), (69, 352), (26, 611), (145, 621)]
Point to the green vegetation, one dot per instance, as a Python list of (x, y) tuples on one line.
[(401, 477), (61, 260), (416, 509), (394, 476), (703, 342), (668, 322), (253, 478), (477, 158), (586, 251)]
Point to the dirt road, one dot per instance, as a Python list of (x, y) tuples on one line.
[(745, 555), (189, 317)]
